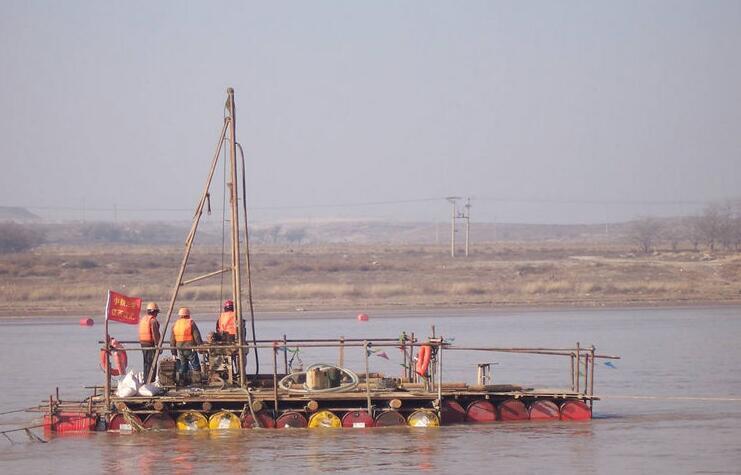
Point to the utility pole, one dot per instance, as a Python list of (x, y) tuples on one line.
[(453, 201), (467, 216)]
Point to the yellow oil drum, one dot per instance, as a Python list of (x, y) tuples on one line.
[(324, 419), (192, 421), (224, 420), (423, 418)]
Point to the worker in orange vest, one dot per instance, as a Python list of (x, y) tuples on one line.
[(149, 335), (185, 334), (226, 325)]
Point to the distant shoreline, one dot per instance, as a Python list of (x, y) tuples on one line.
[(412, 311)]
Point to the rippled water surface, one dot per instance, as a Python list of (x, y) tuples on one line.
[(686, 360)]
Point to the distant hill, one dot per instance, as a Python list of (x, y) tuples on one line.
[(18, 215)]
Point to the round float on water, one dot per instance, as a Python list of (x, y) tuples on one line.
[(324, 419), (451, 412), (192, 421), (86, 322), (362, 317), (390, 418), (357, 419), (159, 422), (224, 420), (266, 421), (544, 409), (481, 412), (291, 420), (423, 418), (119, 423), (512, 410), (575, 411)]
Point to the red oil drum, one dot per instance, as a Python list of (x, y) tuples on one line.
[(118, 421), (86, 322), (544, 409), (264, 417), (575, 411), (451, 412), (292, 420), (512, 410), (390, 418), (362, 317), (69, 422), (481, 412), (160, 422), (357, 419)]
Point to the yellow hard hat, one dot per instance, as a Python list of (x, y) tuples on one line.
[(184, 312), (152, 306)]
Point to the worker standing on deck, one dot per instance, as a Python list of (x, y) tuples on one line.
[(149, 335), (226, 325), (185, 334)]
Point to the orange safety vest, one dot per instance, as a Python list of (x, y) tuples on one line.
[(145, 329), (183, 330), (228, 323)]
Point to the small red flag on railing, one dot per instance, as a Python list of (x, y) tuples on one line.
[(121, 308)]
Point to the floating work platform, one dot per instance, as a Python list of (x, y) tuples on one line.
[(282, 400)]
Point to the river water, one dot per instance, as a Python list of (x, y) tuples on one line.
[(672, 404)]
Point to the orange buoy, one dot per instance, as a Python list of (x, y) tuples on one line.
[(512, 410), (86, 322), (481, 412), (362, 317), (575, 411), (544, 409), (118, 357), (423, 359)]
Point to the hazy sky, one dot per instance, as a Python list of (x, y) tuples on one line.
[(542, 111)]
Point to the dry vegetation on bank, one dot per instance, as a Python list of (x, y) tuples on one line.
[(55, 279)]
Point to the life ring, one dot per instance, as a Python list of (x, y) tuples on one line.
[(118, 356), (423, 359)]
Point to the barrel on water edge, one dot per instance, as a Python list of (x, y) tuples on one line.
[(512, 410), (543, 409), (291, 420), (390, 418), (324, 420), (69, 422), (423, 418), (86, 322), (575, 411), (362, 317), (357, 419), (263, 417), (159, 422), (119, 423), (481, 412), (192, 421), (224, 420), (451, 412)]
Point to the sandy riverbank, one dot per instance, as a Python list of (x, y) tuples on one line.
[(72, 280)]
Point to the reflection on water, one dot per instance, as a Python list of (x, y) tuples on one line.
[(663, 356)]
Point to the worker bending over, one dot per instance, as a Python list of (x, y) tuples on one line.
[(185, 334), (149, 335)]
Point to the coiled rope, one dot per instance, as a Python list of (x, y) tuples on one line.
[(286, 382)]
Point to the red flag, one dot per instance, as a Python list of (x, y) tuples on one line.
[(122, 308)]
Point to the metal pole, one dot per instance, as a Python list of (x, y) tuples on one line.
[(236, 256), (578, 366), (341, 358), (275, 377), (572, 371), (285, 353), (452, 228), (591, 373), (367, 378), (188, 246), (107, 388)]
